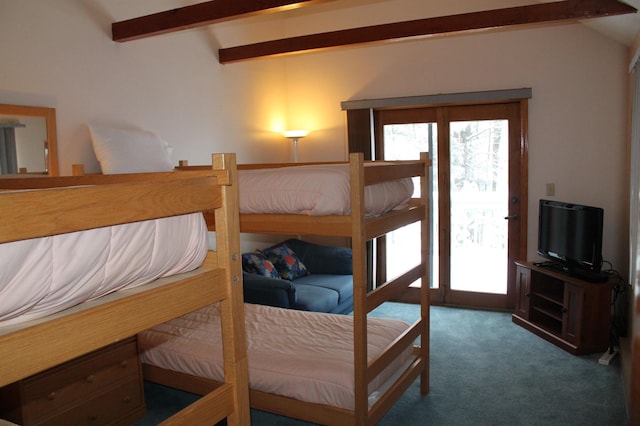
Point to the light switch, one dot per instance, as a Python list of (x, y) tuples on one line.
[(551, 189)]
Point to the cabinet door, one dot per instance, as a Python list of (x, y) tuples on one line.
[(523, 292), (572, 313)]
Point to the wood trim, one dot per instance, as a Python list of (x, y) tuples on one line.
[(199, 15), (498, 18), (387, 107), (524, 186), (49, 115), (444, 205), (634, 379), (359, 128)]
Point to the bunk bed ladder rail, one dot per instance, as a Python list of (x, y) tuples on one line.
[(365, 302)]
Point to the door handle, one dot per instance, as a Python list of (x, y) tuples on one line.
[(513, 216)]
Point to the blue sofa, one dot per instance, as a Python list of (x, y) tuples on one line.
[(327, 288)]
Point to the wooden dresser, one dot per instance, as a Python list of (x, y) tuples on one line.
[(100, 388)]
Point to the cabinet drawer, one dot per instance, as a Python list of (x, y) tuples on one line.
[(111, 375), (116, 404), (67, 384)]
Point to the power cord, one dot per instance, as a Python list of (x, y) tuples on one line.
[(618, 326)]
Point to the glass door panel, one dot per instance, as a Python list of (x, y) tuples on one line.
[(479, 194), (402, 248), (478, 180)]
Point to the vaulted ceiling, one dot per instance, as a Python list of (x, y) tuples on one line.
[(616, 19)]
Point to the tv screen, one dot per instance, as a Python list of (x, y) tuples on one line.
[(571, 235)]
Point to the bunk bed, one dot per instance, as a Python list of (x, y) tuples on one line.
[(41, 209), (366, 364)]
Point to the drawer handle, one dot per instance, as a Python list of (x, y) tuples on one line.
[(124, 363), (51, 396), (90, 378), (92, 418), (126, 399)]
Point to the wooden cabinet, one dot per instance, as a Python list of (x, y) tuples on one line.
[(100, 388), (569, 312)]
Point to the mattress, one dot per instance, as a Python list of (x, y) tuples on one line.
[(303, 355), (315, 190), (42, 276)]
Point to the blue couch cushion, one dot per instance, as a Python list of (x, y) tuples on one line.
[(269, 291), (315, 299), (321, 259), (341, 284)]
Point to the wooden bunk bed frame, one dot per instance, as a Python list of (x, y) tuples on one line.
[(114, 199), (359, 230)]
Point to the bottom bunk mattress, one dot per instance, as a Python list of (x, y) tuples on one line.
[(42, 276), (307, 356)]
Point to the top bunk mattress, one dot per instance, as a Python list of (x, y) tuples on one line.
[(315, 190), (42, 276)]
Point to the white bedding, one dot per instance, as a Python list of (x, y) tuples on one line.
[(39, 277), (303, 355), (315, 190)]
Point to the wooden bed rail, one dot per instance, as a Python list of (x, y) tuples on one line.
[(79, 208), (103, 323), (21, 182)]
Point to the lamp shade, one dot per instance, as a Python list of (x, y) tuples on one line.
[(295, 134)]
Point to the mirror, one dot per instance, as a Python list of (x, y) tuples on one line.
[(28, 141)]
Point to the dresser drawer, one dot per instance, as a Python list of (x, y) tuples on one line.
[(121, 404), (110, 375)]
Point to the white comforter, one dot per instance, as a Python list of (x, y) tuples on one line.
[(42, 276), (315, 190), (303, 355)]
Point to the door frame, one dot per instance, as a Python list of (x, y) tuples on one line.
[(517, 112)]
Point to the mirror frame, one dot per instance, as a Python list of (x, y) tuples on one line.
[(49, 114)]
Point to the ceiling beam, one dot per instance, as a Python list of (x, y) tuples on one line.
[(521, 15), (199, 15)]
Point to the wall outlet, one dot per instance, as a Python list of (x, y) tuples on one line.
[(551, 189)]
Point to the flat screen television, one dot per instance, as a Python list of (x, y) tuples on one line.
[(570, 235)]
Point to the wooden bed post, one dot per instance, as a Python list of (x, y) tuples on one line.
[(228, 251), (358, 243), (425, 299)]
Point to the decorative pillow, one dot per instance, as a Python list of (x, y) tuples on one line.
[(286, 262), (256, 263), (130, 151)]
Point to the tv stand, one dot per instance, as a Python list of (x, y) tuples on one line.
[(592, 277), (572, 313)]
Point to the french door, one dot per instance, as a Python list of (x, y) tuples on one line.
[(478, 194)]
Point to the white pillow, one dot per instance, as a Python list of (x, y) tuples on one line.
[(130, 151)]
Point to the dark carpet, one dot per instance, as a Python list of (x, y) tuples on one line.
[(485, 370)]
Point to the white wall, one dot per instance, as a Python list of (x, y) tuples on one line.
[(62, 56), (577, 116)]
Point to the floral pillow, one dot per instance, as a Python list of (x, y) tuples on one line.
[(257, 263), (286, 262)]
